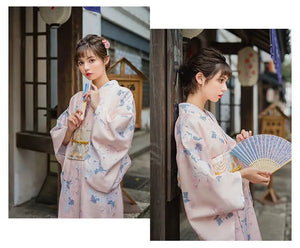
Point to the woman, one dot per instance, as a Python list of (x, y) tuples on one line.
[(215, 189), (92, 138)]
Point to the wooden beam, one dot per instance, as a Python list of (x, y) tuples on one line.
[(23, 58), (247, 108), (228, 47), (173, 93), (69, 79), (157, 133), (164, 221), (35, 142), (174, 96)]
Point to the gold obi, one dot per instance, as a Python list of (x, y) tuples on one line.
[(80, 142), (225, 162)]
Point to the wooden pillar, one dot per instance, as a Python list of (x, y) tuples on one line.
[(247, 108), (69, 80), (247, 115), (164, 198)]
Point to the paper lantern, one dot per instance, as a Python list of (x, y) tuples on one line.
[(55, 16), (247, 66), (190, 33)]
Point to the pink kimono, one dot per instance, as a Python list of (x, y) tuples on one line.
[(96, 159), (217, 200)]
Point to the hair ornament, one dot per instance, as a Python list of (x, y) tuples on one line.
[(106, 43)]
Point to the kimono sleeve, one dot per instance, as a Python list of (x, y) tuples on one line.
[(58, 134), (112, 135), (204, 193)]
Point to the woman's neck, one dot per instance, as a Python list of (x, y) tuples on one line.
[(99, 82), (196, 99)]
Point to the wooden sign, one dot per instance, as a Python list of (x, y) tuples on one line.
[(134, 82)]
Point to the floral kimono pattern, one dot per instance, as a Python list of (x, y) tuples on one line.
[(217, 200), (96, 159)]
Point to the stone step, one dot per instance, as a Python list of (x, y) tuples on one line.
[(142, 198)]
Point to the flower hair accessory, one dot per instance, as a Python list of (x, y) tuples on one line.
[(106, 43)]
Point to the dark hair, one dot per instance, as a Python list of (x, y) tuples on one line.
[(209, 61), (95, 44)]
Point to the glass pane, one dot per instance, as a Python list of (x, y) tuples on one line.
[(54, 167), (225, 113), (116, 69), (42, 46), (226, 97), (42, 71), (53, 123), (53, 158), (128, 70), (41, 23), (29, 59), (42, 96), (226, 127), (42, 121), (53, 70), (29, 107), (237, 119), (29, 20), (53, 42)]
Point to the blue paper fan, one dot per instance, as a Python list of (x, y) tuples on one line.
[(264, 151)]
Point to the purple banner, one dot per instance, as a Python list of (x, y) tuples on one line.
[(94, 9), (275, 54)]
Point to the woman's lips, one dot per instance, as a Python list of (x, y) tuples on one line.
[(220, 96), (88, 74)]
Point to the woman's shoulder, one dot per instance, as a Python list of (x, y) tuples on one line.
[(191, 112), (114, 86), (187, 120), (78, 94), (124, 92), (76, 97)]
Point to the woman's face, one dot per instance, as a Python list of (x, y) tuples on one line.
[(214, 88), (91, 66)]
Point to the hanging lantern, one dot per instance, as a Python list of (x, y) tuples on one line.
[(247, 66), (190, 33), (55, 16)]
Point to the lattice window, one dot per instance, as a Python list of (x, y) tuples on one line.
[(39, 73), (229, 107)]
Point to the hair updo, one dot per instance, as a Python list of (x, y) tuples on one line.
[(94, 43), (209, 61)]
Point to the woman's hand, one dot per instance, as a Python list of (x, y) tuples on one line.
[(243, 135), (256, 176), (93, 96), (73, 121)]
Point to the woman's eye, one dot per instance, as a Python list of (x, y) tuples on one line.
[(80, 63), (92, 60), (223, 80)]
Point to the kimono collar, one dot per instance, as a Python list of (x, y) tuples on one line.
[(109, 84), (186, 107)]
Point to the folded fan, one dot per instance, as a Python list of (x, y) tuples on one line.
[(264, 151), (87, 87)]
